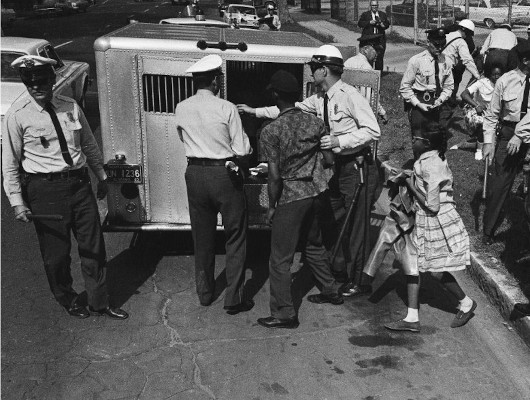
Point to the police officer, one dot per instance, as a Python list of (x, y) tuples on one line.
[(364, 60), (214, 140), (509, 104), (353, 127), (427, 83), (459, 56), (271, 20), (49, 138)]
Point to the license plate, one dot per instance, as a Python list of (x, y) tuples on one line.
[(124, 173)]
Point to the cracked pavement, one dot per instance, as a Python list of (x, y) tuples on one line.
[(173, 348)]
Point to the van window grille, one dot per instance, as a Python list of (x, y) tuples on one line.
[(162, 93)]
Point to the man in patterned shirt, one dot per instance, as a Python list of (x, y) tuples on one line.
[(297, 183)]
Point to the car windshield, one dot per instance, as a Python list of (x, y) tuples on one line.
[(9, 74), (242, 10)]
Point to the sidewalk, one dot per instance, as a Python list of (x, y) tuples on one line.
[(490, 274)]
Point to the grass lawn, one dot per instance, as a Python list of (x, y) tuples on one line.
[(512, 236)]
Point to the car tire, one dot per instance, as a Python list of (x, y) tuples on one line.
[(489, 23)]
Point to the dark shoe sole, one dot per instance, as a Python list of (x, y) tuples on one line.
[(458, 322), (316, 299), (282, 326), (402, 328)]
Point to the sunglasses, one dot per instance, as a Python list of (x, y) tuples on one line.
[(38, 82)]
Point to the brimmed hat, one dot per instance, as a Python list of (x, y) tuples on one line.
[(283, 81), (327, 55), (206, 65), (33, 69), (506, 25), (436, 36), (367, 39)]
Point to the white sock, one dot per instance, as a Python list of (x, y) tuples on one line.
[(465, 304), (412, 315)]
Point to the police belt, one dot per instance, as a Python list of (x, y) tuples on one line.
[(509, 124), (426, 96), (52, 176), (209, 162), (346, 158)]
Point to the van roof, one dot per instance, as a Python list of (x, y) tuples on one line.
[(209, 34)]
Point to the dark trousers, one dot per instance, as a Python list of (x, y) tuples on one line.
[(501, 175), (212, 190), (498, 56), (355, 247), (421, 121), (379, 61), (294, 222), (73, 199)]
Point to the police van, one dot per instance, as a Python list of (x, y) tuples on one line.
[(141, 78)]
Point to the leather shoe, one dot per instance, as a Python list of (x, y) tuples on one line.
[(487, 240), (321, 298), (353, 290), (114, 313), (404, 326), (523, 308), (461, 317), (78, 311), (247, 305), (271, 322)]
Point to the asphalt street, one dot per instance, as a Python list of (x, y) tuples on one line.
[(172, 348)]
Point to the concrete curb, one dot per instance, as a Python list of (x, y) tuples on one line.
[(501, 289)]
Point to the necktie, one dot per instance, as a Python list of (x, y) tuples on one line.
[(524, 104), (326, 116), (60, 134), (437, 76), (375, 19)]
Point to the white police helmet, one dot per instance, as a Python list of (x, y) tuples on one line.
[(468, 24), (327, 55)]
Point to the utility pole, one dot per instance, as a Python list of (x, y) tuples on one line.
[(415, 21)]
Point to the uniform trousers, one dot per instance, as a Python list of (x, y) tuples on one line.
[(297, 222), (421, 121), (500, 178), (212, 189), (73, 199), (379, 61), (355, 247)]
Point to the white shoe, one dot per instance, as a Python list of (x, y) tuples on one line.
[(478, 155)]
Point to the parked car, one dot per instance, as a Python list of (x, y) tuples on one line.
[(522, 9), (8, 18), (242, 15), (46, 7), (495, 12), (193, 22), (72, 6), (403, 14), (72, 76), (259, 5)]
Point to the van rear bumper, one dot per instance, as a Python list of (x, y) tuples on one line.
[(159, 227)]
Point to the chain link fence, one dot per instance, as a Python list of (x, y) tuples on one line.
[(409, 25)]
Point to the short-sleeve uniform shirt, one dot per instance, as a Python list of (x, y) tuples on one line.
[(293, 142)]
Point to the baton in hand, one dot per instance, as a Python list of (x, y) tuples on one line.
[(485, 185), (353, 204), (44, 217)]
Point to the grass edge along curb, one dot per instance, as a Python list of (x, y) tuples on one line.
[(502, 291)]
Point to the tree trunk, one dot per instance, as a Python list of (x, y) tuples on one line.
[(283, 12)]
